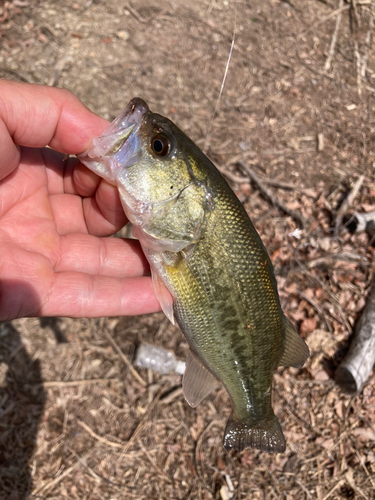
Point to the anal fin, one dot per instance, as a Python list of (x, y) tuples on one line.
[(197, 382), (295, 351)]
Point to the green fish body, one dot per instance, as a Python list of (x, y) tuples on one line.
[(212, 274)]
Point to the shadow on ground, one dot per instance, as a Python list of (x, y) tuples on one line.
[(22, 400)]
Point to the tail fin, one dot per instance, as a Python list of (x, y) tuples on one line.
[(265, 435)]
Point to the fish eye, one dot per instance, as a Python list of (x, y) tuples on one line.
[(161, 145)]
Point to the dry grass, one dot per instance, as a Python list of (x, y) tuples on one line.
[(75, 420)]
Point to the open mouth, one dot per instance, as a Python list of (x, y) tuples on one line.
[(118, 146)]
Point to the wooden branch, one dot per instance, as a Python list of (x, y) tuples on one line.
[(348, 202), (358, 222), (354, 370), (334, 37), (267, 194)]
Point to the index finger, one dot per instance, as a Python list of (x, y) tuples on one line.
[(37, 116)]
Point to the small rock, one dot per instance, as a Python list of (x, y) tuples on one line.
[(123, 35), (324, 243), (321, 375), (29, 25)]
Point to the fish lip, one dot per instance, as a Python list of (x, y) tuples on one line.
[(110, 147)]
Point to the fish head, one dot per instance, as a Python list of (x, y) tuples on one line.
[(156, 168)]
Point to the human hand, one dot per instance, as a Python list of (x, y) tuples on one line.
[(53, 212)]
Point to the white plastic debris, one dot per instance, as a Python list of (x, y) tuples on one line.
[(225, 494), (297, 233), (158, 359)]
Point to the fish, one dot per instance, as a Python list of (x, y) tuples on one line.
[(211, 272)]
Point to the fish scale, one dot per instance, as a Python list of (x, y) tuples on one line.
[(211, 272)]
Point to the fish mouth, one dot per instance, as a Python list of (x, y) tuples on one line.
[(118, 146)]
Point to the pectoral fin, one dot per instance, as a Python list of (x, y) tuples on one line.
[(296, 351), (164, 297), (197, 382)]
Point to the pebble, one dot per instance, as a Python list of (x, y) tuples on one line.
[(123, 35)]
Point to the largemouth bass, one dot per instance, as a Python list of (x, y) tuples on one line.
[(211, 272)]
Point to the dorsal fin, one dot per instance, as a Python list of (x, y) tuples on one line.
[(295, 351), (197, 382)]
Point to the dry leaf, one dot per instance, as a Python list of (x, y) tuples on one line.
[(364, 434), (308, 326)]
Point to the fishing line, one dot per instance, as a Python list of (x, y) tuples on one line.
[(224, 78)]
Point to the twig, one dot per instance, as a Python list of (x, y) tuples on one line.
[(73, 383), (13, 73), (99, 438), (135, 13), (318, 308), (233, 177), (359, 68), (281, 185), (125, 359), (141, 424), (367, 47), (340, 256), (224, 79), (315, 71), (326, 3), (244, 180), (337, 485), (353, 13), (152, 462), (59, 67), (305, 490), (357, 489), (267, 194), (199, 444), (334, 37), (85, 464), (44, 488), (176, 393), (336, 12), (334, 299), (362, 462)]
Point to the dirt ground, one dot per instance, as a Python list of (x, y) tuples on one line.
[(298, 107)]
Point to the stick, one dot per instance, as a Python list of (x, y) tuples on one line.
[(339, 256), (367, 47), (267, 194), (51, 484), (334, 37), (125, 359), (333, 297), (319, 309), (244, 180), (332, 14), (99, 438), (359, 68), (354, 370), (73, 383)]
